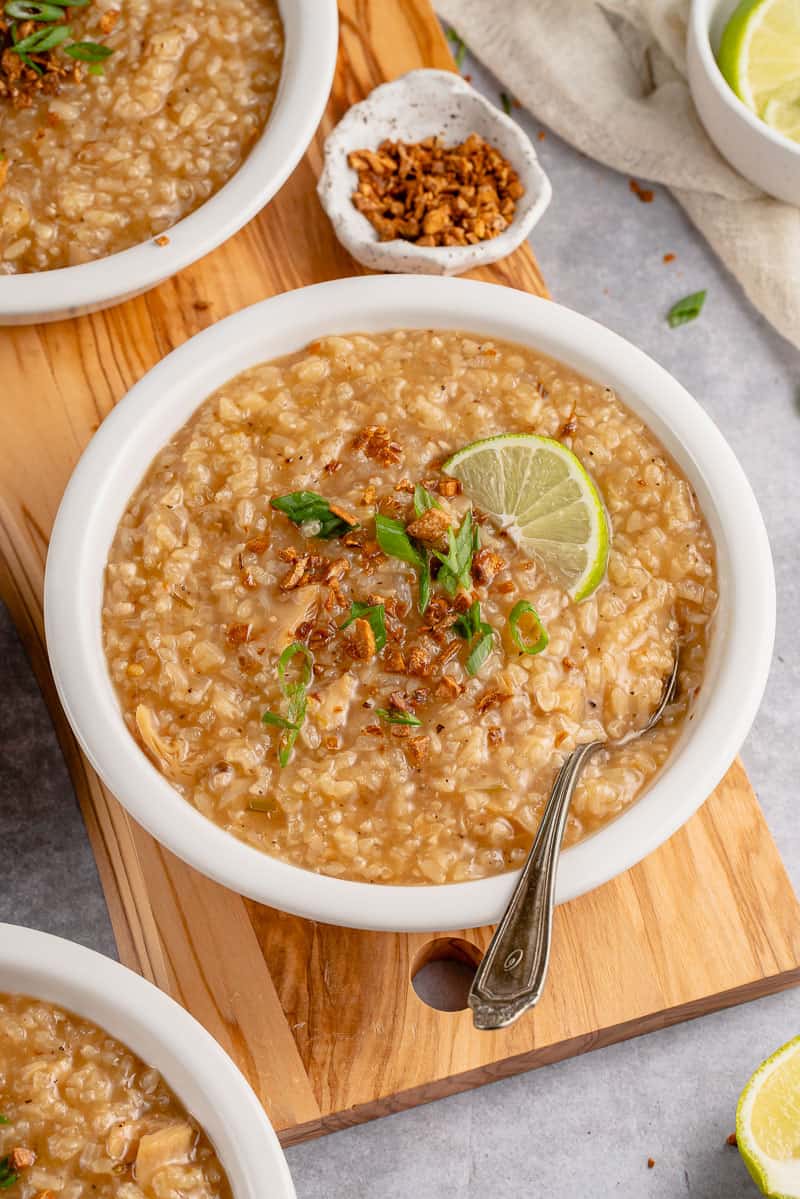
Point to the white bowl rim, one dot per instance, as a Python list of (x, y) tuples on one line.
[(137, 425), (312, 32), (165, 1036), (358, 235), (700, 18)]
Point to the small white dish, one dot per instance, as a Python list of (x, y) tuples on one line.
[(767, 158), (162, 1034), (311, 38), (426, 103), (121, 451)]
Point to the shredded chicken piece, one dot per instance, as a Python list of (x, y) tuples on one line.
[(160, 747), (163, 1148), (331, 707), (284, 618)]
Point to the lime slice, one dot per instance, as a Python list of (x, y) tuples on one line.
[(768, 1124), (759, 53), (537, 489), (782, 110)]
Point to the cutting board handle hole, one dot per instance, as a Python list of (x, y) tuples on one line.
[(443, 971)]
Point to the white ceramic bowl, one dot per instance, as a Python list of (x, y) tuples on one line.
[(120, 453), (311, 38), (764, 156), (165, 1036), (421, 104)]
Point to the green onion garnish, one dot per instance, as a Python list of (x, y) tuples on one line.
[(424, 579), (42, 40), (375, 614), (4, 1119), (307, 507), (537, 638), (395, 542), (473, 629), (295, 694), (395, 717), (7, 1175), (30, 10), (423, 500), (459, 47), (457, 562), (687, 309), (505, 100)]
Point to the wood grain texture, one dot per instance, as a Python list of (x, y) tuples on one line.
[(325, 1021)]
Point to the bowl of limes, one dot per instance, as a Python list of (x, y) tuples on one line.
[(744, 74)]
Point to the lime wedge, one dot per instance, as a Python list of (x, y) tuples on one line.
[(538, 491), (768, 1124), (759, 53)]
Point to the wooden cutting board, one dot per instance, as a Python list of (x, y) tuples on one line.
[(324, 1021)]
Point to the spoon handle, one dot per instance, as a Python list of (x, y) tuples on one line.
[(511, 975)]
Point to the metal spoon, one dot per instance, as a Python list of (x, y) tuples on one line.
[(512, 973)]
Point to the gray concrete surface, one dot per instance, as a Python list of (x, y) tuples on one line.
[(583, 1128)]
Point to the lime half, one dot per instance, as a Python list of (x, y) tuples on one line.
[(538, 490), (768, 1124), (759, 55)]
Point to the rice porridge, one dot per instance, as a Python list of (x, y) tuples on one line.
[(297, 648), (81, 1116), (92, 163)]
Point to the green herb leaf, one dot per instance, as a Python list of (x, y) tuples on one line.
[(307, 507), (538, 639), (296, 700), (423, 500), (395, 717), (459, 47), (375, 614), (505, 100), (457, 562), (88, 51), (394, 541), (687, 309), (4, 1119)]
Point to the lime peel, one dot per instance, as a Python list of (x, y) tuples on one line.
[(769, 1109)]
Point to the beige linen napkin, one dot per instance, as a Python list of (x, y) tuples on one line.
[(609, 77)]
